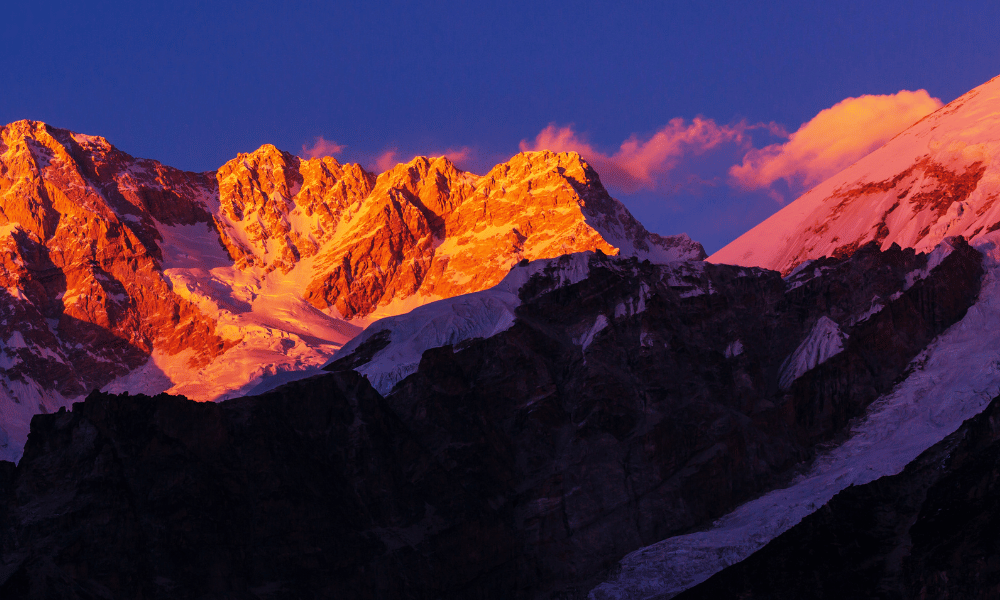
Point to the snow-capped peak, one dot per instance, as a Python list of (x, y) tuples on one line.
[(938, 178), (208, 283)]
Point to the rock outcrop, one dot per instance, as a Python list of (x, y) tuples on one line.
[(429, 230), (645, 401), (84, 299)]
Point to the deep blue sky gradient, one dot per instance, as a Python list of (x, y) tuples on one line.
[(192, 84)]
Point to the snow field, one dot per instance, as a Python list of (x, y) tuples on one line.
[(953, 380)]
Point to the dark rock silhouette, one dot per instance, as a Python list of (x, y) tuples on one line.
[(615, 412), (928, 532)]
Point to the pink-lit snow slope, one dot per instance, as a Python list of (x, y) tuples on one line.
[(938, 178)]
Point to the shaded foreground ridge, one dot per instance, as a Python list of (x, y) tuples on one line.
[(616, 411)]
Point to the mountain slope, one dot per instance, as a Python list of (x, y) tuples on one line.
[(627, 401), (634, 370), (391, 348), (84, 300), (459, 233), (928, 532), (938, 178), (950, 381), (124, 274)]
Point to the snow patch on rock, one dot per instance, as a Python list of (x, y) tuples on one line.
[(875, 308), (734, 349), (453, 320), (633, 306), (824, 341), (599, 324), (940, 252)]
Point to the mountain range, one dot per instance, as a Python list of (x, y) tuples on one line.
[(127, 275), (433, 384)]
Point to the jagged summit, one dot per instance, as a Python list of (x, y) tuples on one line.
[(126, 274), (938, 178)]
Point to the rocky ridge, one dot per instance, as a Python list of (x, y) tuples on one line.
[(616, 410), (84, 299), (130, 275)]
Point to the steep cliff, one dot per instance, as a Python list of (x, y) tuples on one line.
[(625, 404), (125, 274)]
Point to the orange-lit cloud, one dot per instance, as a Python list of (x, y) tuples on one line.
[(458, 155), (833, 140), (642, 163), (322, 148), (387, 160)]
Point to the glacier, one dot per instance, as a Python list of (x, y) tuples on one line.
[(952, 380)]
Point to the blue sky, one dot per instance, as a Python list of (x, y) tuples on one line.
[(192, 86)]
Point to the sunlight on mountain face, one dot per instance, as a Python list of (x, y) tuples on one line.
[(212, 284), (514, 346), (936, 179)]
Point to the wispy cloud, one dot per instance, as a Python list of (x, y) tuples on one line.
[(669, 161), (833, 140), (390, 157), (387, 160), (322, 147), (458, 155), (647, 163)]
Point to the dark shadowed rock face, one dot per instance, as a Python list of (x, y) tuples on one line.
[(315, 490), (637, 404), (931, 532), (659, 422)]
